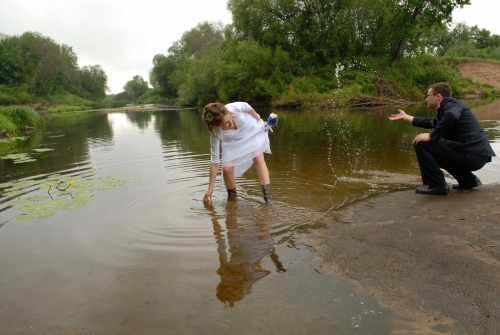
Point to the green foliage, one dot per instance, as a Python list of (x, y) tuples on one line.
[(135, 88), (152, 97), (7, 100), (197, 84), (7, 124), (59, 109), (252, 72), (16, 118), (94, 82), (466, 49), (313, 52), (35, 66)]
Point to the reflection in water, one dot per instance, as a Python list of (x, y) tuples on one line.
[(241, 253), (139, 261)]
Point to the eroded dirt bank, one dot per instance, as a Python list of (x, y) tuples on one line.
[(482, 71), (430, 258)]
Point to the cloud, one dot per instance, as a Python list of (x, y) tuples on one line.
[(121, 36), (480, 13)]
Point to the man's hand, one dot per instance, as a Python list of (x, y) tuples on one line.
[(424, 137), (401, 116)]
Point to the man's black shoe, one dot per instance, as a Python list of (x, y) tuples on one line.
[(434, 190), (476, 183)]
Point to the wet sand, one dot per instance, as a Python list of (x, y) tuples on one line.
[(433, 259)]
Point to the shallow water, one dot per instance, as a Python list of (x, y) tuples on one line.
[(149, 257)]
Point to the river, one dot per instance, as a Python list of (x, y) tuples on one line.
[(103, 230)]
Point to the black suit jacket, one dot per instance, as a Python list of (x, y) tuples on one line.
[(458, 127)]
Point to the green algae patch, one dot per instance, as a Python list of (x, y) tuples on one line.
[(13, 193), (72, 205), (132, 181), (13, 139), (60, 192), (36, 214), (84, 197), (18, 202)]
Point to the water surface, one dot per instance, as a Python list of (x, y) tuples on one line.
[(149, 257)]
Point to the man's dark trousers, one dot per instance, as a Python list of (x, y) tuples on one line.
[(435, 155)]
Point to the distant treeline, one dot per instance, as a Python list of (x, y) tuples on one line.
[(34, 66), (279, 53), (294, 52)]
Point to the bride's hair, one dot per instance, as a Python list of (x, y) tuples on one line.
[(213, 113)]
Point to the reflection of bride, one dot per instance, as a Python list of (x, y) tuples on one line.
[(241, 267)]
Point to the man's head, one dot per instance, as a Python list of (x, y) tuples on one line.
[(436, 93)]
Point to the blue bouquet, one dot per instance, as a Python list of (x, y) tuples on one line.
[(272, 120)]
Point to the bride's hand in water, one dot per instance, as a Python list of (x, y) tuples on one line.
[(208, 196)]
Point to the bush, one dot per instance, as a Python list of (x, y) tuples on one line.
[(7, 124), (19, 117), (7, 100), (59, 109)]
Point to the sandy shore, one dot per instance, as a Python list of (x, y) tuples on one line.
[(432, 259)]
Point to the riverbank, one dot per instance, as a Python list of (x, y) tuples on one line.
[(432, 259)]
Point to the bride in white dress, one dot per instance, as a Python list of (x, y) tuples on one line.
[(244, 138)]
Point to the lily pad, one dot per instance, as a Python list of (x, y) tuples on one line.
[(71, 191), (84, 197), (57, 202), (24, 161), (89, 182), (24, 184), (36, 214), (129, 181), (38, 198), (42, 149), (13, 139), (105, 187), (89, 174), (44, 187), (13, 193), (15, 156), (72, 205), (18, 202), (34, 206), (53, 177)]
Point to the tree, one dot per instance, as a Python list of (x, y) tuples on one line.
[(159, 77), (94, 82), (314, 32), (195, 42), (403, 20), (41, 61), (135, 88), (250, 71), (11, 63), (68, 76), (188, 72)]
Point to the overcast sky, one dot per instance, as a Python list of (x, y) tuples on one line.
[(123, 36)]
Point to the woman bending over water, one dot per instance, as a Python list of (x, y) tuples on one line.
[(244, 138)]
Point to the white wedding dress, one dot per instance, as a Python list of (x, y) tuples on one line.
[(240, 145)]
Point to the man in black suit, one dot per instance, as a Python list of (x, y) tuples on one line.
[(457, 144)]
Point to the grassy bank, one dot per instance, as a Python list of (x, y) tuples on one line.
[(362, 82), (16, 118), (370, 81)]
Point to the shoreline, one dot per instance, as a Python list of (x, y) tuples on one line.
[(434, 260)]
